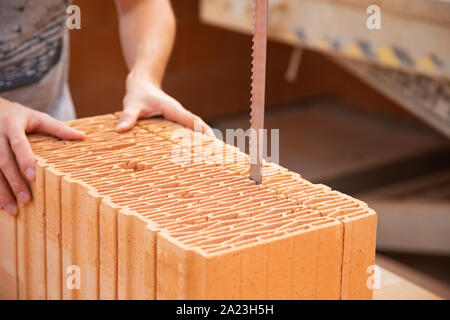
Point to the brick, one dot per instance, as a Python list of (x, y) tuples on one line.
[(141, 226)]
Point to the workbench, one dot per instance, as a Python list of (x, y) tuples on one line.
[(394, 287)]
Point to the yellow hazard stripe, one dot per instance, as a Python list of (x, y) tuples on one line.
[(386, 54), (354, 50), (322, 43), (427, 63)]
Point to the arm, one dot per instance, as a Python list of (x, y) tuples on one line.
[(16, 156), (147, 33)]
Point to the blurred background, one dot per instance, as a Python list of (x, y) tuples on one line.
[(366, 112)]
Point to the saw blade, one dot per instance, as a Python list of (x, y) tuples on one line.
[(258, 89)]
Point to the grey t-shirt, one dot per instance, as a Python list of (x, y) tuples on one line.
[(34, 55)]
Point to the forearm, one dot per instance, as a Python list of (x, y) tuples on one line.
[(147, 32)]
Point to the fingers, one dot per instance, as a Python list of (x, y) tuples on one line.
[(7, 201), (128, 118), (59, 129), (206, 129), (22, 150), (12, 174), (187, 118)]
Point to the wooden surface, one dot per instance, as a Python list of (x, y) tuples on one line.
[(339, 29), (325, 140), (431, 274), (394, 287), (424, 97)]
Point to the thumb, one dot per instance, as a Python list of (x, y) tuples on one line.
[(128, 118)]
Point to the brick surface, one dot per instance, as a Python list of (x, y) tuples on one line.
[(108, 250), (8, 257), (142, 226), (53, 233)]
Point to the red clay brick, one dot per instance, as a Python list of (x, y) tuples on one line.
[(143, 227)]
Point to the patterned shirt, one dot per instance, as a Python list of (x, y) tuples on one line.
[(34, 55)]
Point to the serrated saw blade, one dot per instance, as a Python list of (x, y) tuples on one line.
[(258, 89)]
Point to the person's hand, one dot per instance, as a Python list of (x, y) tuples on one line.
[(145, 99), (15, 151)]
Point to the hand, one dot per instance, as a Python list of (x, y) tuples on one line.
[(15, 151), (145, 99)]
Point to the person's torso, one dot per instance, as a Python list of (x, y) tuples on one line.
[(33, 51)]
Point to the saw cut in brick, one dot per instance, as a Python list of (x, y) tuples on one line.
[(115, 217)]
